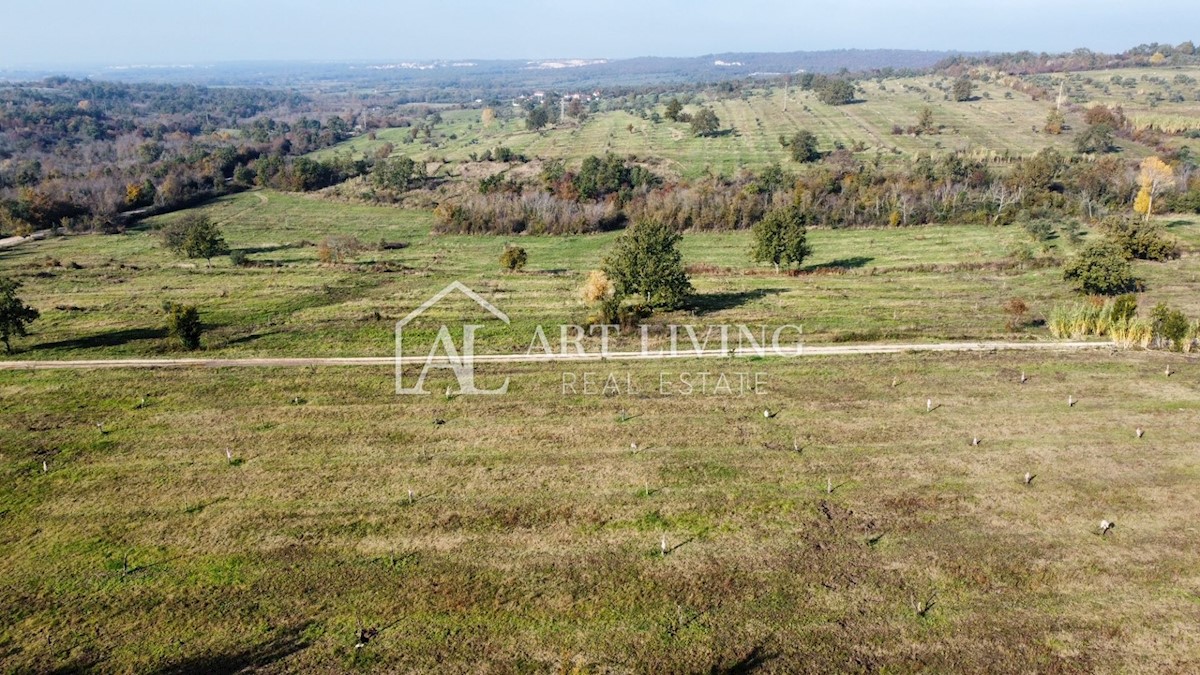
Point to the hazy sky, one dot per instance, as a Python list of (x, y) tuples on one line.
[(40, 32)]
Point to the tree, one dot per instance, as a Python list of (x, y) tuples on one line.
[(514, 258), (925, 120), (781, 238), (674, 107), (645, 261), (183, 324), (195, 236), (803, 146), (1097, 138), (15, 315), (487, 117), (962, 89), (835, 91), (1101, 269), (397, 173), (1139, 239), (1155, 177), (537, 118), (705, 123)]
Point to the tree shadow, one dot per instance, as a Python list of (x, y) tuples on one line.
[(715, 302), (839, 264), (753, 660), (286, 642), (110, 339)]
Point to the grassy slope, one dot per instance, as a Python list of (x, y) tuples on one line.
[(112, 305), (531, 542)]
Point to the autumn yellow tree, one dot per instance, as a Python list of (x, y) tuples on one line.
[(487, 117), (1155, 177)]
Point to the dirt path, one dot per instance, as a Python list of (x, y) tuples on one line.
[(379, 361)]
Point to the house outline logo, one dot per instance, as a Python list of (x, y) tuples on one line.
[(460, 362)]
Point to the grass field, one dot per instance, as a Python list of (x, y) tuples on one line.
[(102, 295), (999, 121), (530, 543)]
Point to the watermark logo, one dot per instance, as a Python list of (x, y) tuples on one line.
[(444, 354), (672, 341)]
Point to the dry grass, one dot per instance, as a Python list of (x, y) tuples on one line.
[(532, 541)]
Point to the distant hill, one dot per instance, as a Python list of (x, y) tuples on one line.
[(492, 77)]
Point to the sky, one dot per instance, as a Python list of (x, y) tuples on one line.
[(127, 32)]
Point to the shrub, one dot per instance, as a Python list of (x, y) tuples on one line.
[(1101, 269), (1039, 230), (1141, 240), (15, 315), (1124, 307), (183, 324), (239, 258), (514, 258), (194, 236), (1171, 327), (338, 249), (597, 287), (1193, 337), (1016, 309)]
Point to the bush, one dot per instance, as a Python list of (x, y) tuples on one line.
[(1016, 309), (1124, 308), (239, 258), (1039, 230), (1171, 327), (1101, 269), (514, 258), (1141, 240), (597, 287), (338, 249), (183, 324), (194, 236)]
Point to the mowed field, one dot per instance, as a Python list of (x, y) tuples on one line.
[(999, 121), (101, 296), (524, 535)]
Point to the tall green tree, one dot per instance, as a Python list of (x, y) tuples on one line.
[(646, 262), (781, 238), (15, 315)]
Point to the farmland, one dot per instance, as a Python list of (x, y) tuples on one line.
[(998, 122)]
